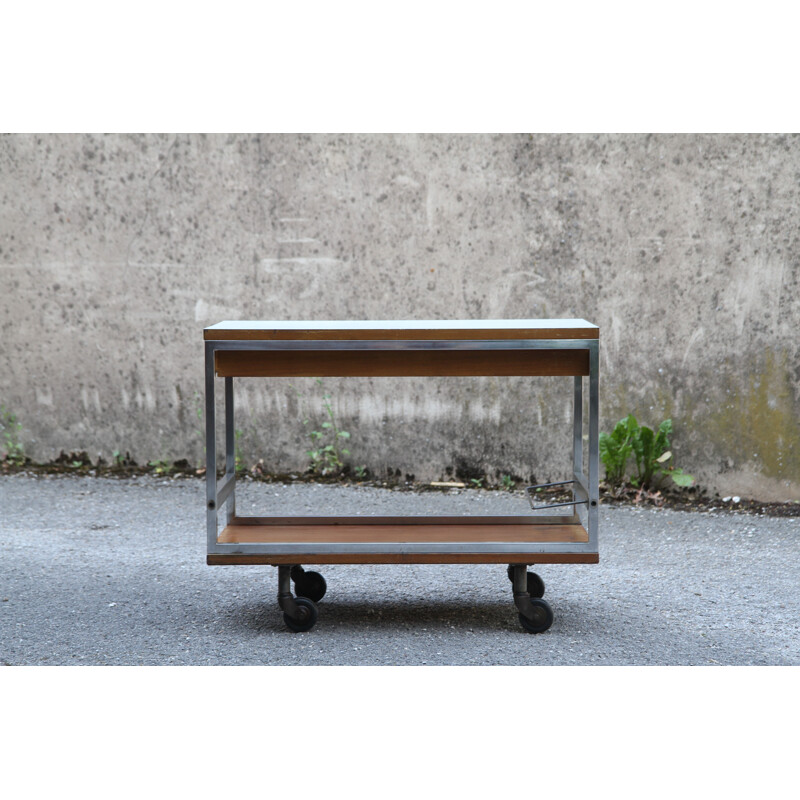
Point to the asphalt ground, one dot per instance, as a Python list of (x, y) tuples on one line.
[(97, 571)]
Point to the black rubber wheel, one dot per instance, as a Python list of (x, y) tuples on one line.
[(543, 617), (311, 585), (307, 614), (535, 583)]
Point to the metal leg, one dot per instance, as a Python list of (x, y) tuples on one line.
[(520, 580), (594, 447), (211, 451), (285, 596), (535, 614), (577, 434), (230, 451)]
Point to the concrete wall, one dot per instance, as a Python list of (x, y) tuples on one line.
[(115, 252)]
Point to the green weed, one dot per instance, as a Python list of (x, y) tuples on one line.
[(10, 427), (238, 462), (327, 451), (161, 467), (649, 448)]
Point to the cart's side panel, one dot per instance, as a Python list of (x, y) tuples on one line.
[(395, 363)]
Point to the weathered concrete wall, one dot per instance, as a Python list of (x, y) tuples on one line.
[(115, 252)]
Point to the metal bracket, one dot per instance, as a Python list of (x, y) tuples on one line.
[(532, 489), (522, 600), (285, 596)]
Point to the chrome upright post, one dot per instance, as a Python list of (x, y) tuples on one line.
[(594, 445), (577, 434), (211, 451), (230, 450)]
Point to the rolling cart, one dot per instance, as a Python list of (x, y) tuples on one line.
[(407, 348)]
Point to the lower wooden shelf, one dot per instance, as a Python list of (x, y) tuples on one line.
[(401, 531)]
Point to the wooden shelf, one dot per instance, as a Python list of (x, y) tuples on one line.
[(399, 531), (401, 329)]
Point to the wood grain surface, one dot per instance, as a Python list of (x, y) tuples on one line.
[(402, 329), (401, 533), (394, 363)]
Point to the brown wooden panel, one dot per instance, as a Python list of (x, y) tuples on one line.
[(248, 530), (408, 558), (401, 329), (401, 533), (393, 363)]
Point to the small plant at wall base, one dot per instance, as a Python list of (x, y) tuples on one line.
[(615, 448), (652, 454), (10, 428), (238, 466), (160, 467), (120, 461), (327, 450), (650, 450)]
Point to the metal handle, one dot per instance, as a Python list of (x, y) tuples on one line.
[(531, 489)]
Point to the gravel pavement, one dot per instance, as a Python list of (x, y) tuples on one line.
[(97, 571)]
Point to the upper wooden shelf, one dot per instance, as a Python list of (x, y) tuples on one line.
[(401, 329)]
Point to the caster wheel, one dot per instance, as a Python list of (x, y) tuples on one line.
[(311, 585), (307, 614), (543, 617), (535, 583)]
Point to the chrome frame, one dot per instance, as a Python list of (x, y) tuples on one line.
[(585, 492)]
